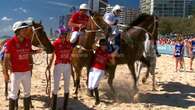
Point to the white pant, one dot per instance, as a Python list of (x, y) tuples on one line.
[(94, 77), (75, 36), (16, 78), (66, 70)]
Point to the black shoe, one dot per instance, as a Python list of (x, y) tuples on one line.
[(158, 54), (26, 102), (54, 102), (16, 104), (90, 93), (12, 104), (66, 95), (97, 99)]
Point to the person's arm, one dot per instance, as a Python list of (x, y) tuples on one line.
[(174, 51), (6, 65), (31, 61)]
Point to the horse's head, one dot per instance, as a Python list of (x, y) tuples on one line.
[(146, 24), (141, 31), (39, 37)]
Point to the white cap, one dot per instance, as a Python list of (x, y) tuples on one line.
[(19, 25), (84, 7), (116, 7)]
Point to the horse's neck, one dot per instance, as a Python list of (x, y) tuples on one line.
[(87, 40)]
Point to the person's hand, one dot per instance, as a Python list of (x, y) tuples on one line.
[(81, 26), (116, 22)]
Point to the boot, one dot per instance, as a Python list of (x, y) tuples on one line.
[(54, 102), (12, 104), (16, 104), (90, 93), (97, 99), (27, 101), (66, 95)]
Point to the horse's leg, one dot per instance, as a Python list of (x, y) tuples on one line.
[(78, 75), (88, 69), (73, 76), (132, 69), (111, 71), (144, 79), (153, 82), (6, 90), (146, 61), (138, 67)]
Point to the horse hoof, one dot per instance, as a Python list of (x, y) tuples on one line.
[(135, 98)]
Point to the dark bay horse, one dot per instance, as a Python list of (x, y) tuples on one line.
[(39, 39), (83, 52), (133, 40)]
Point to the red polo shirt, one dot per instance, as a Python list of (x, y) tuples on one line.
[(79, 19), (19, 53), (63, 51), (101, 59)]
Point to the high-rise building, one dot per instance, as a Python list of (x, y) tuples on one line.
[(180, 8), (98, 5), (127, 15)]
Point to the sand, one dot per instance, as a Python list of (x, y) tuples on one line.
[(175, 90)]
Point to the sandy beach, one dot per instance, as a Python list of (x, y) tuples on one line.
[(175, 90)]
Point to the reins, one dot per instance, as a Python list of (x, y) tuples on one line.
[(47, 71)]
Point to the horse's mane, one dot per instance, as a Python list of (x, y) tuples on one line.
[(139, 19)]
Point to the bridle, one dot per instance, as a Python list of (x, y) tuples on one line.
[(36, 35)]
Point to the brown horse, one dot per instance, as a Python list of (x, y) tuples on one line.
[(132, 46), (83, 52), (39, 39)]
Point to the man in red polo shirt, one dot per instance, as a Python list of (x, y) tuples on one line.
[(78, 21), (63, 50), (18, 59), (101, 58)]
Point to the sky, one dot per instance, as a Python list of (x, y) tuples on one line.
[(45, 10)]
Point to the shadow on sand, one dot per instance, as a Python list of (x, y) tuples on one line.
[(176, 95), (73, 104)]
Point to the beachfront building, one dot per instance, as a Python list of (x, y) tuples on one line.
[(179, 8), (127, 15), (98, 5)]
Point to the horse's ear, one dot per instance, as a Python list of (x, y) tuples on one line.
[(40, 22)]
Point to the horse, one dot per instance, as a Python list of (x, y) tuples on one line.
[(133, 39), (39, 39), (83, 52), (149, 63)]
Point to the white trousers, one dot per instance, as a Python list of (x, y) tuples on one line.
[(74, 36), (66, 70), (95, 76), (16, 78)]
